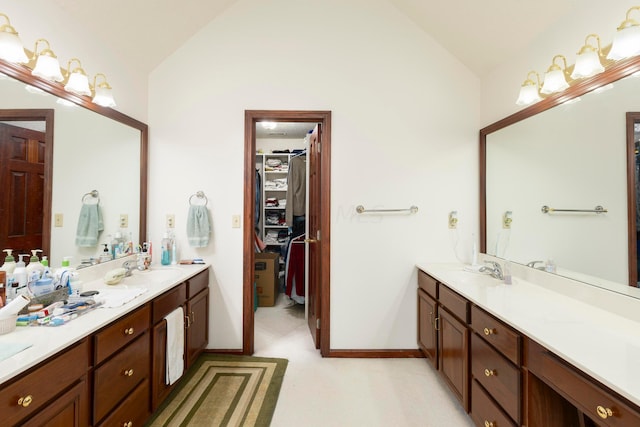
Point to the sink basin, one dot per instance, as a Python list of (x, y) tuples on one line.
[(156, 275)]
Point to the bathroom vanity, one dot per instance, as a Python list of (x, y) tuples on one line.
[(106, 367), (540, 352)]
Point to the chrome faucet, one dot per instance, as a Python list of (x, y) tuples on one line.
[(131, 265), (532, 264), (494, 270)]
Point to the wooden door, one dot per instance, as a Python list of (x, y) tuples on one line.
[(427, 334), (22, 180), (314, 236)]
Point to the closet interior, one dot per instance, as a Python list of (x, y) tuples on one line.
[(281, 205)]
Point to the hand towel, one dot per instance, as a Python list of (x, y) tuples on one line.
[(175, 345), (89, 225), (198, 228)]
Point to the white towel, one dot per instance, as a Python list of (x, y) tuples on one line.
[(198, 227), (175, 345)]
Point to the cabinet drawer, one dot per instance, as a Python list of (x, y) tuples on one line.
[(595, 401), (197, 283), (454, 303), (121, 333), (499, 335), (117, 377), (168, 302), (497, 375), (43, 384), (484, 411), (428, 284), (131, 410)]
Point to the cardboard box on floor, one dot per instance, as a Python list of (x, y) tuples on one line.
[(267, 268)]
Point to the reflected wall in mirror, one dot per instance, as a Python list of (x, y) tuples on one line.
[(93, 148), (565, 156)]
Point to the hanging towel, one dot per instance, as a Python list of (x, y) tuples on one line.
[(175, 345), (198, 228), (89, 225)]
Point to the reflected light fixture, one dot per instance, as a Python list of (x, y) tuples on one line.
[(77, 82), (269, 125), (529, 91), (626, 43), (554, 78), (47, 65), (103, 95), (588, 59), (11, 47)]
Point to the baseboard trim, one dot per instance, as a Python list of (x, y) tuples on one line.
[(224, 351), (377, 354)]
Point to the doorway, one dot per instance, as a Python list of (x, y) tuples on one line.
[(317, 241)]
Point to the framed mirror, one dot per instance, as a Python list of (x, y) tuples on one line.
[(570, 157), (87, 148)]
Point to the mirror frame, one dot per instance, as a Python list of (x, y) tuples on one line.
[(23, 74), (578, 88)]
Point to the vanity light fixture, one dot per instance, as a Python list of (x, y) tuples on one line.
[(269, 125), (588, 59), (554, 78), (77, 82), (103, 95), (530, 90), (626, 42), (47, 65), (11, 47)]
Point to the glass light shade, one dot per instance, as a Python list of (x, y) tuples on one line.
[(79, 84), (48, 68), (626, 43), (528, 95), (11, 48), (104, 97), (554, 81), (587, 64)]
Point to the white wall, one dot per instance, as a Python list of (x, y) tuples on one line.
[(500, 88), (34, 19), (405, 121)]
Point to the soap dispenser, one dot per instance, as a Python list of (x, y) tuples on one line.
[(35, 264), (20, 276), (9, 262), (45, 264), (105, 255)]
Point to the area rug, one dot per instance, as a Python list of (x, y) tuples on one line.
[(224, 391)]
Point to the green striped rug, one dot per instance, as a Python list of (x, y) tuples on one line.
[(224, 391)]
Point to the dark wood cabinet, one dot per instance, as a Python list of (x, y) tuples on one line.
[(427, 334), (454, 355), (197, 334), (67, 410)]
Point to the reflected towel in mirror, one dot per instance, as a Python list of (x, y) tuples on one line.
[(89, 225)]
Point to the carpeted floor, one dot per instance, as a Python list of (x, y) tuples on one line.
[(224, 391)]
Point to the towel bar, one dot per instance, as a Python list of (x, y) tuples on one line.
[(199, 195), (360, 209)]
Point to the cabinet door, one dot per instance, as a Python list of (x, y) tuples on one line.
[(427, 335), (454, 355), (197, 326), (68, 410), (159, 388)]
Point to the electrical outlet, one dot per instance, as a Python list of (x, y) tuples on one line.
[(124, 220), (235, 221), (171, 221), (507, 219), (58, 220), (453, 219)]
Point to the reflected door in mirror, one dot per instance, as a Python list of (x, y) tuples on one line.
[(22, 179)]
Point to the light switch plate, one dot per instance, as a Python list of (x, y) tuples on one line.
[(235, 221), (58, 220), (124, 220), (171, 221)]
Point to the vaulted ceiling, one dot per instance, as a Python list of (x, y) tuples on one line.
[(481, 34)]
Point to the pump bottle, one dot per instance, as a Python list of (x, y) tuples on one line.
[(20, 276), (35, 264), (9, 262)]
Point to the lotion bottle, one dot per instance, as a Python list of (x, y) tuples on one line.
[(20, 276), (35, 264), (9, 262)]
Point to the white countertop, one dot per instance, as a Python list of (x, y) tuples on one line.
[(601, 343), (46, 341)]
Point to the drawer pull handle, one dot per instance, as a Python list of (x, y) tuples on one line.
[(187, 322), (128, 373), (437, 324), (129, 424), (489, 423), (488, 331), (128, 331), (603, 412), (193, 317), (25, 401), (489, 372)]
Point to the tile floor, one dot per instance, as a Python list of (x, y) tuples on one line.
[(333, 392)]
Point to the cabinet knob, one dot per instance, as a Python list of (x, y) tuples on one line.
[(489, 423), (603, 412), (193, 317), (128, 424), (128, 331), (488, 331), (489, 372), (128, 372), (25, 401)]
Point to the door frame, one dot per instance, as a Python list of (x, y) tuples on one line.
[(251, 118)]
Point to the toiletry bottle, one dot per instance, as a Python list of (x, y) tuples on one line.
[(35, 265), (105, 255), (75, 284), (166, 250), (20, 276), (9, 262), (174, 250), (62, 274), (550, 267), (47, 271)]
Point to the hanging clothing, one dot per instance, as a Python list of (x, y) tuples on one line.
[(294, 270), (296, 188)]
